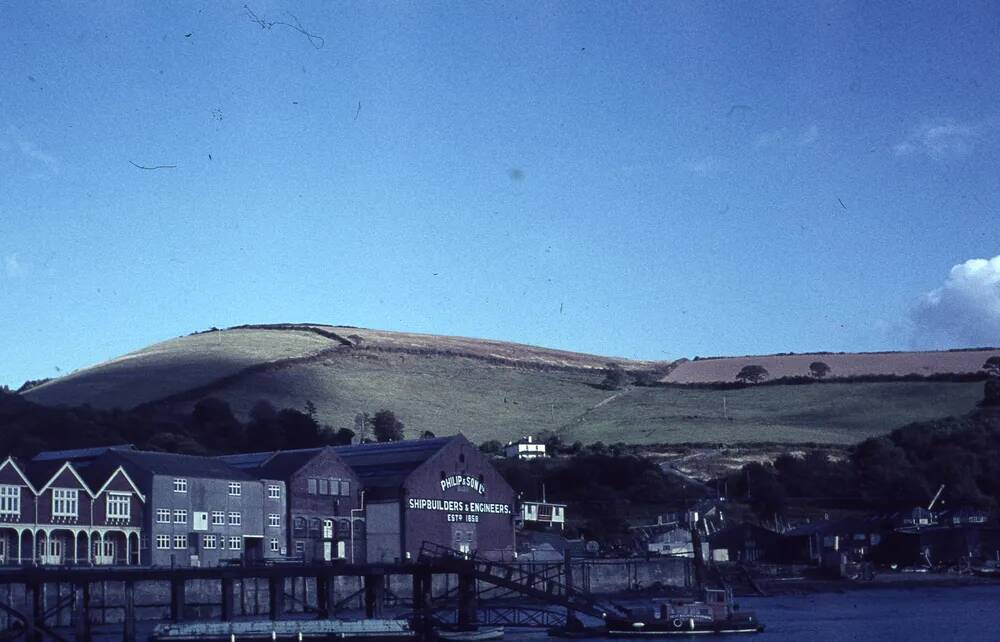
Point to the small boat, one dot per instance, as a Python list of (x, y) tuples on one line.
[(987, 569), (477, 634), (715, 614)]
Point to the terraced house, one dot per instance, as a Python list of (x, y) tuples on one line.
[(51, 514)]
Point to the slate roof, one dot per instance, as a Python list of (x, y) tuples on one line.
[(79, 456), (382, 465), (180, 465), (41, 472), (388, 465)]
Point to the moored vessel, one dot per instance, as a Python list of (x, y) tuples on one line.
[(716, 613)]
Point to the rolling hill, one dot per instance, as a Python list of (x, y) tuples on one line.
[(498, 390)]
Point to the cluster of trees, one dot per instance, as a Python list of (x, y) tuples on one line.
[(602, 490), (382, 426), (755, 373), (899, 470), (210, 428)]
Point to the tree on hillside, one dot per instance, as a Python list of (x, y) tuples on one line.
[(212, 423), (386, 427), (491, 447), (752, 374), (992, 366), (614, 377), (427, 434), (819, 369)]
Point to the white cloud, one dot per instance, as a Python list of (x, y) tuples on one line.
[(965, 311), (940, 139), (31, 151), (13, 267)]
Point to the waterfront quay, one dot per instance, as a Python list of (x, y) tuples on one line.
[(48, 602)]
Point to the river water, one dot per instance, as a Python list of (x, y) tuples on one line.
[(916, 615), (925, 614)]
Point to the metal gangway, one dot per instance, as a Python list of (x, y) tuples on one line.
[(546, 585)]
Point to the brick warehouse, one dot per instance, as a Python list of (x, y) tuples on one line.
[(441, 490), (367, 502)]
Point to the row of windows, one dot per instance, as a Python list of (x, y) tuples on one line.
[(319, 486), (208, 542), (180, 516), (235, 488), (66, 502)]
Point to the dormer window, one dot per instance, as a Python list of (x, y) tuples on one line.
[(65, 502)]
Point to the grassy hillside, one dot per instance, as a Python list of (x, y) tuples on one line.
[(488, 389)]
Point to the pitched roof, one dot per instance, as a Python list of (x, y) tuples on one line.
[(44, 473), (387, 465), (383, 465), (79, 456), (180, 465), (19, 469)]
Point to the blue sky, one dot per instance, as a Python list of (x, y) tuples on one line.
[(651, 180)]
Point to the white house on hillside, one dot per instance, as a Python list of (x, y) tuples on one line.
[(524, 448)]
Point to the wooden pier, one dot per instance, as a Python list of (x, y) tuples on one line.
[(47, 594)]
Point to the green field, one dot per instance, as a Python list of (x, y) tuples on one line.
[(449, 385), (448, 395)]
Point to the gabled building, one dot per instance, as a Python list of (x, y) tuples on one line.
[(441, 490), (321, 519), (18, 508), (51, 514), (381, 502)]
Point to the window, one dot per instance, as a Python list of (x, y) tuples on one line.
[(180, 516), (235, 519), (314, 524), (235, 543), (65, 502), (208, 541), (274, 492), (218, 518), (180, 541), (300, 523), (275, 545), (234, 489), (144, 542), (274, 520), (312, 486), (162, 515), (324, 487), (119, 505), (162, 542), (345, 488), (300, 548), (10, 500), (180, 485)]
